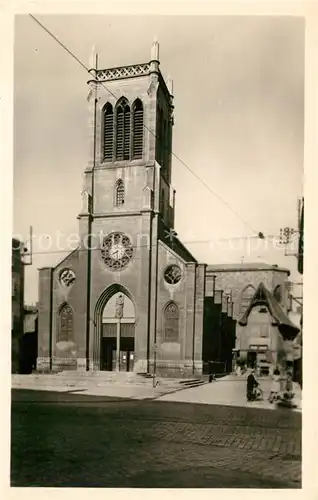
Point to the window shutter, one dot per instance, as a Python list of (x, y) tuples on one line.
[(164, 145), (123, 131), (138, 130), (108, 133), (126, 133), (159, 136), (120, 134)]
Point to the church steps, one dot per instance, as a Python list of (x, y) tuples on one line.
[(99, 379)]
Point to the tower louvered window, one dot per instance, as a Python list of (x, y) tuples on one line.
[(108, 132), (164, 146), (138, 131), (158, 135), (162, 203), (161, 138), (120, 193), (123, 132)]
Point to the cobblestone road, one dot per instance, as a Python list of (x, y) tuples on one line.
[(73, 440)]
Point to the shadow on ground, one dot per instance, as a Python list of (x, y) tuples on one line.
[(73, 440)]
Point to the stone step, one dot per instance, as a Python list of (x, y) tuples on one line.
[(190, 381), (99, 379)]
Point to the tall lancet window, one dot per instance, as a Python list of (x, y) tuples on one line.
[(171, 322), (108, 124), (122, 130), (164, 145), (119, 193), (138, 129), (246, 297), (65, 327)]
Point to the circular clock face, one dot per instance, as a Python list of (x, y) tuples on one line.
[(116, 251), (173, 274), (67, 277)]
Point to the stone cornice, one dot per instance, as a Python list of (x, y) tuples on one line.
[(119, 164), (114, 215), (119, 73)]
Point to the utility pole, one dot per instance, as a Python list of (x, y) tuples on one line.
[(286, 236)]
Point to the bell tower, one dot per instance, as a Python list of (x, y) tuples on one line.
[(127, 198), (130, 139), (124, 255)]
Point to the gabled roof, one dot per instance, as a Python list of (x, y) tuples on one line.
[(170, 239), (264, 296)]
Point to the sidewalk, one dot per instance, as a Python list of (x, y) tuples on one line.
[(230, 391), (118, 387)]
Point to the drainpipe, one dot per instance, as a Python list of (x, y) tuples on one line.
[(156, 281), (51, 322), (194, 311)]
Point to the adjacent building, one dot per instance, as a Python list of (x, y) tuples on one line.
[(17, 304), (29, 341), (260, 293)]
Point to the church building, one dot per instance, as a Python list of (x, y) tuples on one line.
[(131, 296)]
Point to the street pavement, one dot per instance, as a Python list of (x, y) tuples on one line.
[(230, 391), (61, 440)]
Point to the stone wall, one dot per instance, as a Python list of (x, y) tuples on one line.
[(235, 281)]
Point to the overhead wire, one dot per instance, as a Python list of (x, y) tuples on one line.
[(150, 131), (173, 240)]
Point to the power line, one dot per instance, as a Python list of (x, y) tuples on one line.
[(174, 243), (59, 42), (173, 154)]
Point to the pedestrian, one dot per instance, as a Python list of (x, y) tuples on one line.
[(275, 388), (288, 394), (251, 386)]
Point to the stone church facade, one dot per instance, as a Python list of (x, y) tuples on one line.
[(136, 299), (131, 297)]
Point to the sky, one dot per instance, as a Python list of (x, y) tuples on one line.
[(239, 120)]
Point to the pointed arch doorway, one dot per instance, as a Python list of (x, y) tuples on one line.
[(117, 330)]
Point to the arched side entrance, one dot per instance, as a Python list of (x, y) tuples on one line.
[(114, 339)]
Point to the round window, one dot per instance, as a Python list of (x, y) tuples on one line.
[(172, 274), (116, 251), (67, 277)]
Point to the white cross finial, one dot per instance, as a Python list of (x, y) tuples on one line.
[(93, 58), (155, 50)]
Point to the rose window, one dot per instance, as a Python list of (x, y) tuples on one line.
[(67, 277), (173, 274), (116, 251)]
